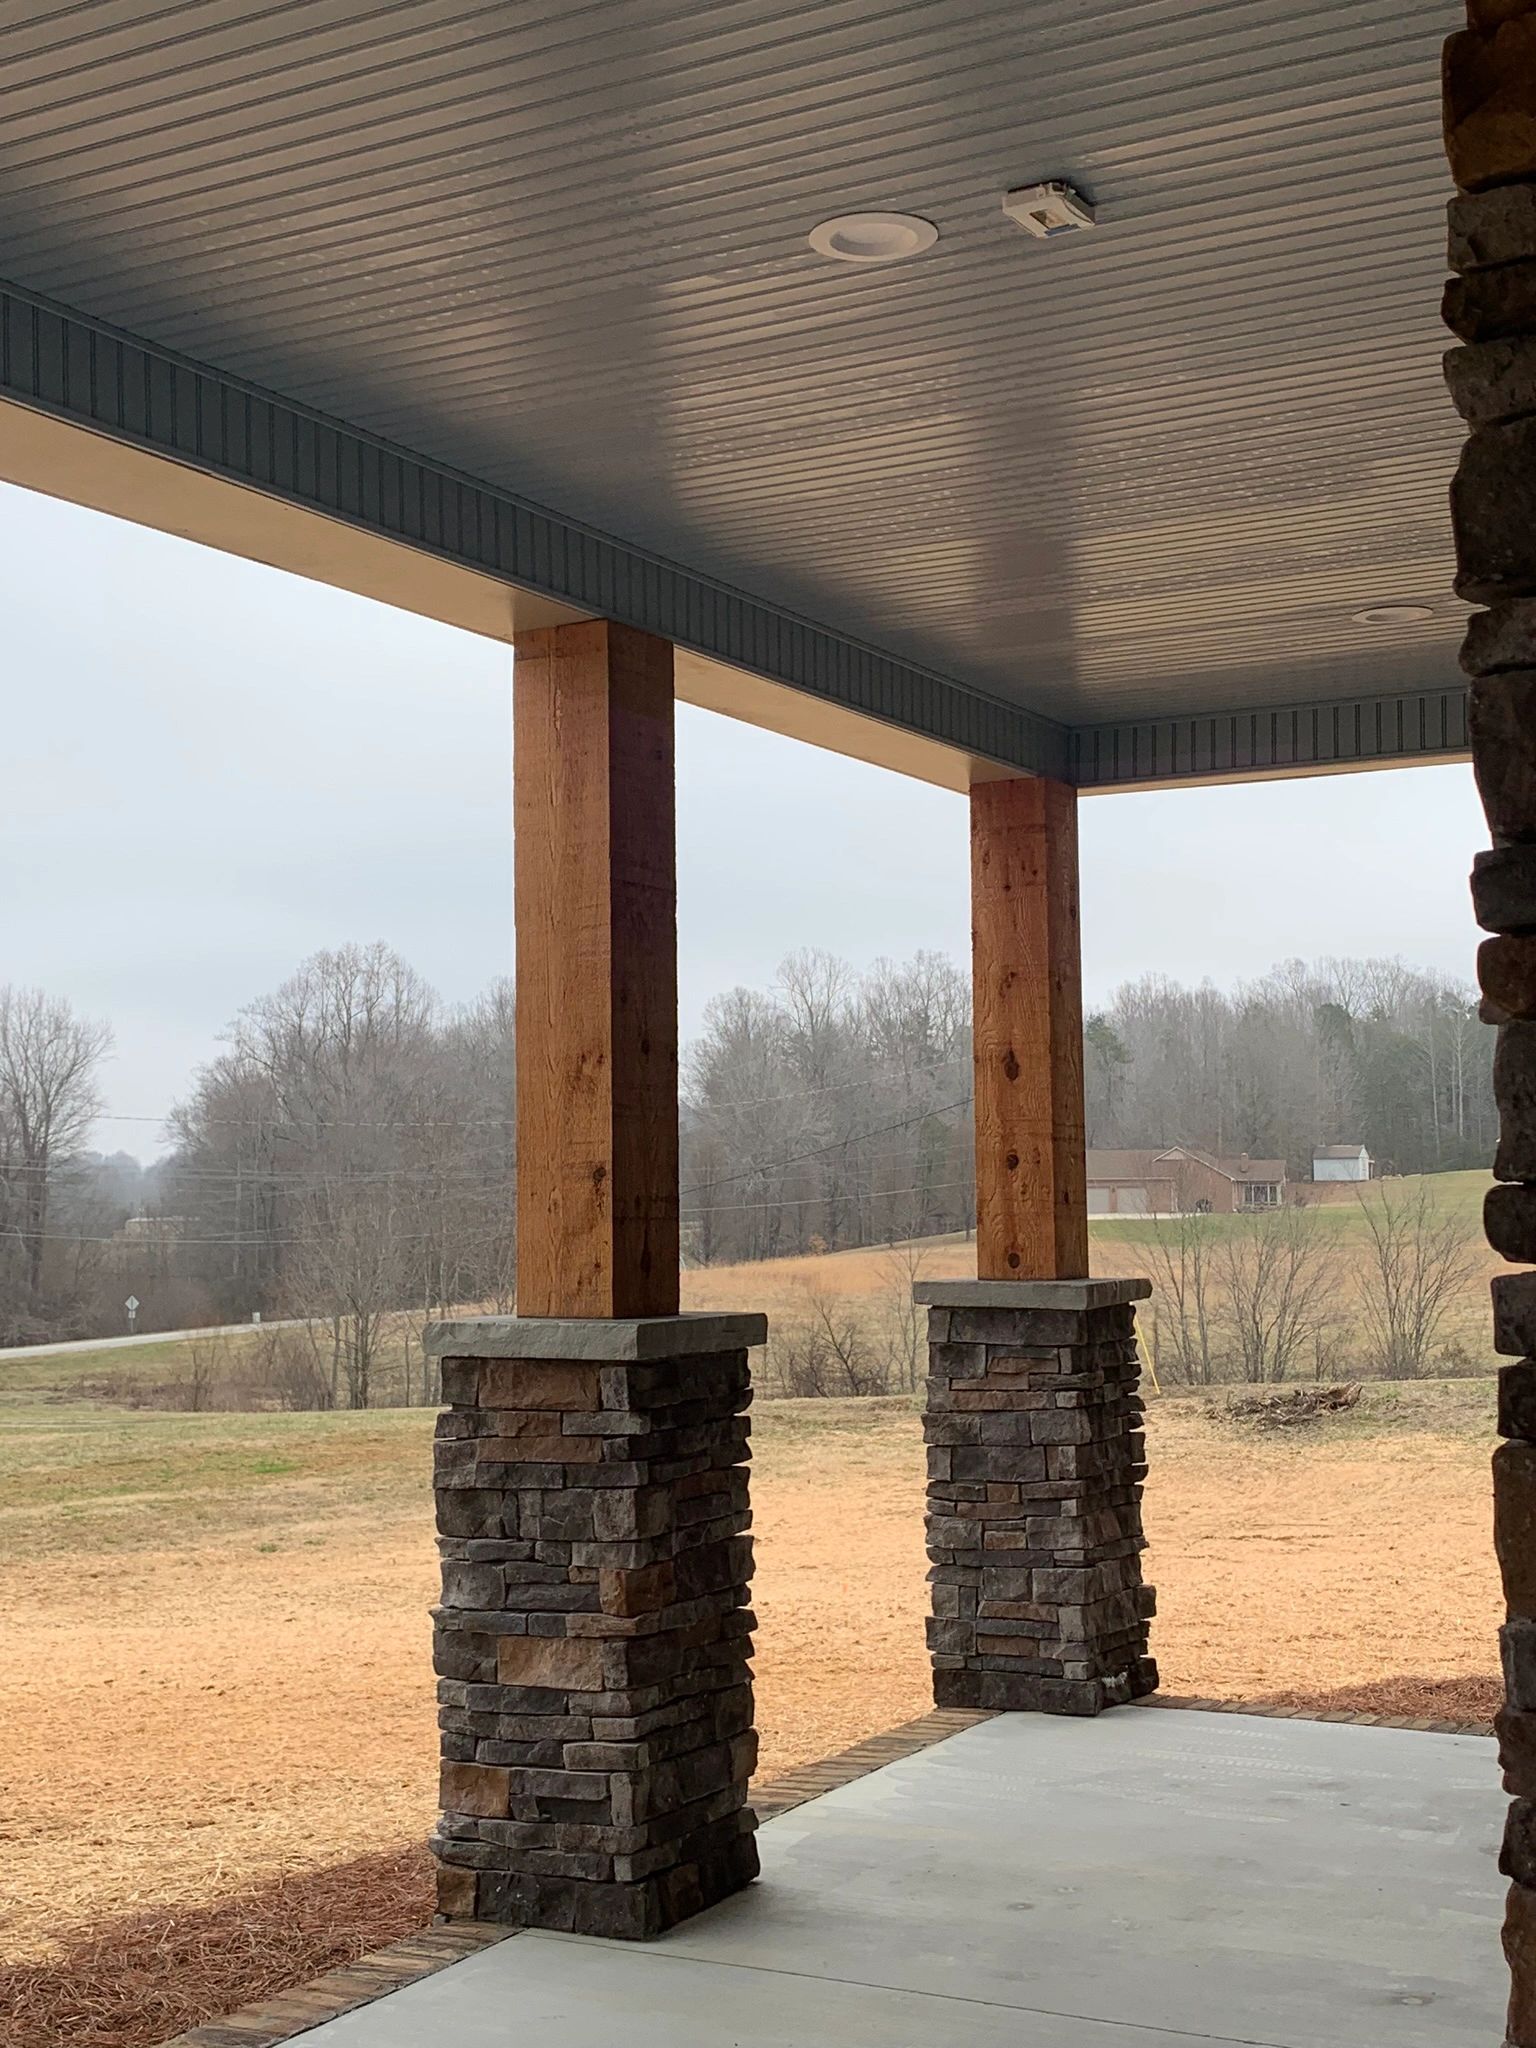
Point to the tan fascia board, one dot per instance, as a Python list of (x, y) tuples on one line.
[(800, 715), (61, 459)]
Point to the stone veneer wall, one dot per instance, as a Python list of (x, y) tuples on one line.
[(593, 1638), (1490, 121), (1035, 1464)]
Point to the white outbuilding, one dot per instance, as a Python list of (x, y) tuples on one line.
[(1341, 1162)]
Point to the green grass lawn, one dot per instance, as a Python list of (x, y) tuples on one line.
[(135, 1371), (83, 1479), (73, 1374), (1453, 1194), (93, 1478)]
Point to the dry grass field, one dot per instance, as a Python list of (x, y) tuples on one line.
[(872, 1287), (217, 1696), (874, 1284), (218, 1703)]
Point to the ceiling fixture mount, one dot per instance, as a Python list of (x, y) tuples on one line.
[(873, 237), (1394, 615), (1049, 210)]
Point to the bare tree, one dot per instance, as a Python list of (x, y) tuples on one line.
[(1104, 1056), (355, 1150), (826, 1352), (49, 1061), (1421, 1261), (744, 1096), (824, 1049), (1276, 1292), (831, 1110), (349, 1267), (290, 1367), (1182, 1260), (901, 1269), (204, 1363)]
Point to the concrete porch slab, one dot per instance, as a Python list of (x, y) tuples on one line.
[(1137, 1881)]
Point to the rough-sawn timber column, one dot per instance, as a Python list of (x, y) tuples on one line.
[(1490, 124), (1033, 1421), (594, 800), (1026, 974)]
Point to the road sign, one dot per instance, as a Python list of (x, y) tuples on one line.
[(132, 1306)]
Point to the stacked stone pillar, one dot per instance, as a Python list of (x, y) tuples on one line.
[(1035, 1469), (1490, 120), (592, 1642)]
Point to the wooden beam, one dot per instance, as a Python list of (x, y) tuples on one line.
[(1031, 1167), (596, 910)]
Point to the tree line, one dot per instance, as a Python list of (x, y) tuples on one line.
[(1330, 1052), (350, 1154)]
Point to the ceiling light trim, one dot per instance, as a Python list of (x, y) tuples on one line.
[(1402, 612), (873, 237)]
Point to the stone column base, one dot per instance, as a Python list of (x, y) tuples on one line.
[(592, 1642), (1035, 1463)]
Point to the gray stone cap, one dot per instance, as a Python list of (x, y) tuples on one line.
[(1072, 1295), (613, 1340)]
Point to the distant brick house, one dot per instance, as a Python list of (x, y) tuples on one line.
[(1181, 1180)]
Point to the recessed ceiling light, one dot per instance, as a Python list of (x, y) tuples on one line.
[(1394, 615), (873, 237)]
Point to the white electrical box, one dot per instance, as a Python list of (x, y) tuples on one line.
[(1049, 210)]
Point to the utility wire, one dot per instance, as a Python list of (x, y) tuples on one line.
[(833, 1145), (879, 1078), (810, 1201), (165, 1239)]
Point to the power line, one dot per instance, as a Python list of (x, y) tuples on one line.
[(833, 1145), (167, 1241), (478, 1186), (810, 1201), (451, 1180), (880, 1077), (257, 1176), (339, 1123)]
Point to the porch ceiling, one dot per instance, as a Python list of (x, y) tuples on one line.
[(1144, 473)]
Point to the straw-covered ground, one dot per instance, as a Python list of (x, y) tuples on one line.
[(844, 1322), (218, 1704)]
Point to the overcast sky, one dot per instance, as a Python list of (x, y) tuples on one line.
[(216, 769)]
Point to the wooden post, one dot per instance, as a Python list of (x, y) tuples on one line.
[(1031, 1167), (596, 911)]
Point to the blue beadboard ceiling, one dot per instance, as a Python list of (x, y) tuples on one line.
[(1145, 473)]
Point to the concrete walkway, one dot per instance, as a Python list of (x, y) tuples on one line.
[(1148, 1880)]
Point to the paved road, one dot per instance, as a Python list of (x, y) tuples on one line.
[(145, 1337)]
